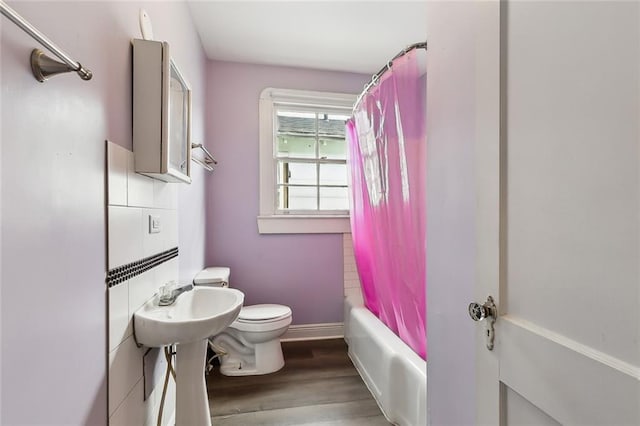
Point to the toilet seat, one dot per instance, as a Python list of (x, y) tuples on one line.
[(263, 312), (265, 317)]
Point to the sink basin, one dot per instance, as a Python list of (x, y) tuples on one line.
[(196, 315)]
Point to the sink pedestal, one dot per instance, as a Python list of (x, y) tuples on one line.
[(192, 402)]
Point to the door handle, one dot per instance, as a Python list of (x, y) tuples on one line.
[(487, 311)]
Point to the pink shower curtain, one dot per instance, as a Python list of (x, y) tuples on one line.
[(387, 160)]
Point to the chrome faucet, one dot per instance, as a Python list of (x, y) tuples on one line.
[(168, 293)]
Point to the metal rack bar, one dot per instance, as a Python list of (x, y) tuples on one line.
[(376, 77), (208, 162), (42, 65)]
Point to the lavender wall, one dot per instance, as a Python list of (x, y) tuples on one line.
[(53, 295), (301, 271)]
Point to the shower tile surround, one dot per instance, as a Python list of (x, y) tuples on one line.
[(132, 199), (352, 288)]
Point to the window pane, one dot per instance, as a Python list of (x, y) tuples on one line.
[(296, 146), (298, 198), (296, 173), (334, 199), (333, 149), (333, 174), (296, 123), (331, 125)]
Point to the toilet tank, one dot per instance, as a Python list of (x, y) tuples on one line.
[(214, 276)]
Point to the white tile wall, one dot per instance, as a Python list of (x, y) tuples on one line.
[(119, 318), (132, 409), (168, 271), (170, 228), (125, 370), (135, 411), (117, 175), (132, 198), (165, 195), (140, 188), (351, 278), (125, 239), (140, 287)]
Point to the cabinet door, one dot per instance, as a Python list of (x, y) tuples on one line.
[(179, 123)]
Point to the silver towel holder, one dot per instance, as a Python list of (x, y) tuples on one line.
[(42, 65), (208, 161)]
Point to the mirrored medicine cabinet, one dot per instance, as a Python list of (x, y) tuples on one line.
[(161, 114)]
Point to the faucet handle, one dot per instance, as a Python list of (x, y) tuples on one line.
[(165, 291)]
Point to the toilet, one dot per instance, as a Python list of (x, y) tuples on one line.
[(251, 344)]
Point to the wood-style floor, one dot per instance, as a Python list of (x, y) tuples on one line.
[(317, 386)]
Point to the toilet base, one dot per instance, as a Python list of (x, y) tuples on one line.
[(265, 359)]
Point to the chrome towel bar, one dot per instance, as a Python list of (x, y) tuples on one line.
[(208, 162), (41, 65)]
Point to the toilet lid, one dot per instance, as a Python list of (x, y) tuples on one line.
[(263, 312)]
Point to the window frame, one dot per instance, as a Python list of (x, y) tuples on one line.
[(271, 220)]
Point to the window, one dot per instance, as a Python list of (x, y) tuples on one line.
[(303, 161)]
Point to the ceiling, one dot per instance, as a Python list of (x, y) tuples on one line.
[(353, 36)]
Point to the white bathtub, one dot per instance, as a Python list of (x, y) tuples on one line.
[(395, 375)]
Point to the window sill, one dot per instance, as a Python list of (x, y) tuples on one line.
[(303, 224)]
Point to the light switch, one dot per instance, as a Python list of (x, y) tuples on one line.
[(154, 224)]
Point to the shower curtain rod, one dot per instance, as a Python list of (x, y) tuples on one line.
[(376, 77), (41, 65)]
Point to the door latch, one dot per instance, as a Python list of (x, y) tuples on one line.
[(487, 311)]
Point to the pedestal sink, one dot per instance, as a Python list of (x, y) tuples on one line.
[(195, 316)]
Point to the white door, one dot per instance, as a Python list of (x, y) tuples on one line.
[(558, 215)]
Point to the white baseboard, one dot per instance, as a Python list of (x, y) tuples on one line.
[(332, 330)]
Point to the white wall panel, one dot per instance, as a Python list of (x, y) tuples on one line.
[(141, 288), (117, 162), (119, 318), (131, 411), (125, 238), (140, 188), (125, 370), (165, 195)]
